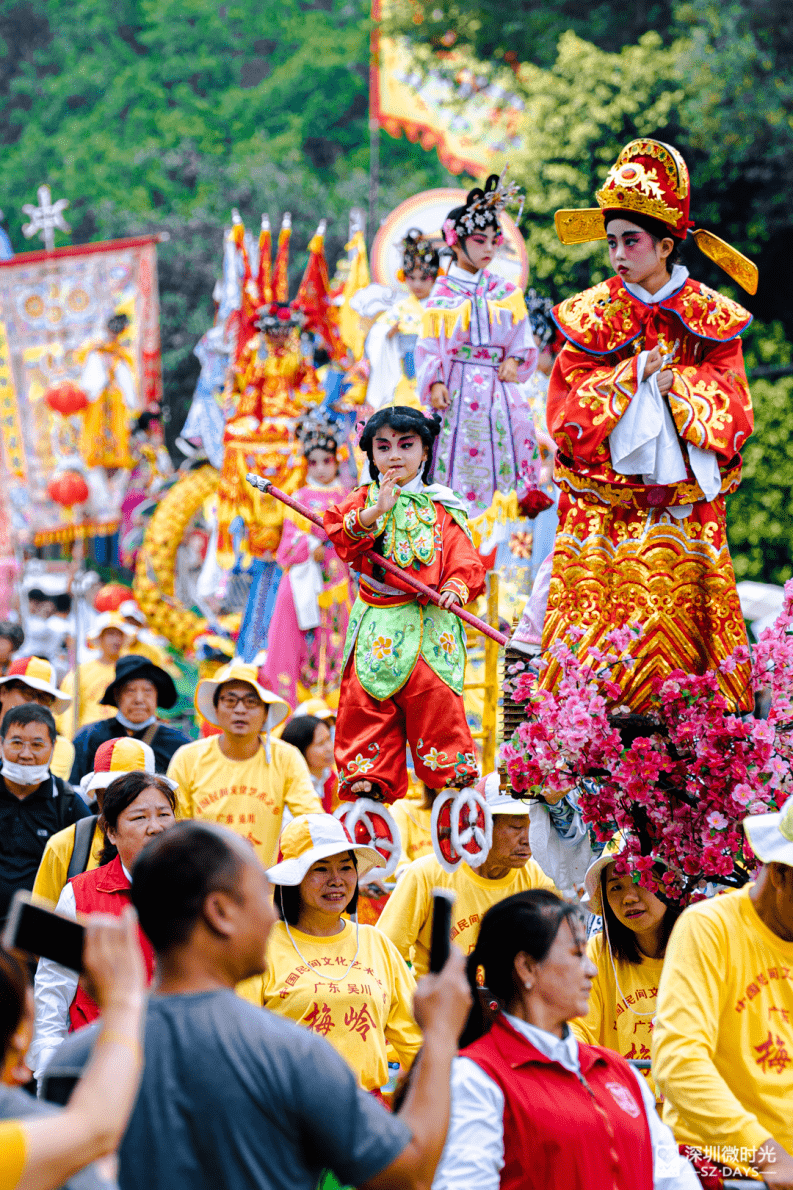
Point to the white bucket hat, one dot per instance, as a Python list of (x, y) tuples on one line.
[(771, 835), (592, 898), (499, 802), (108, 620), (237, 671), (312, 837)]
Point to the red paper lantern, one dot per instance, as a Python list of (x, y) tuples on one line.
[(68, 489), (110, 597), (66, 398)]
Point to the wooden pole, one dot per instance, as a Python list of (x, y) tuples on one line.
[(264, 485)]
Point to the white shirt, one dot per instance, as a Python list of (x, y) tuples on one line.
[(473, 1155), (53, 992), (458, 273)]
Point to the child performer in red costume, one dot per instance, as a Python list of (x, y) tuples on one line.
[(649, 407), (404, 657)]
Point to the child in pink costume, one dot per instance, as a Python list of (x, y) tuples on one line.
[(476, 346), (309, 624)]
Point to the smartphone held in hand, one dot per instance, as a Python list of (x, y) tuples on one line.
[(43, 933), (440, 942)]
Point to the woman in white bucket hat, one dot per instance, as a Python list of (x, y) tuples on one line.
[(343, 980)]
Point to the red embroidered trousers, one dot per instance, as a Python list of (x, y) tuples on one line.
[(371, 735)]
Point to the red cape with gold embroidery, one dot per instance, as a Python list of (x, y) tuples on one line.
[(607, 317)]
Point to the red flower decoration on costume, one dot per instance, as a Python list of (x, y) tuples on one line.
[(533, 503)]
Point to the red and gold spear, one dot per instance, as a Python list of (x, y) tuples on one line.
[(264, 485)]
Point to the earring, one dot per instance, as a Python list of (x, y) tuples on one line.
[(528, 985)]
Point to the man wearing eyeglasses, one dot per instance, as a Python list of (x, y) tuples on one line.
[(242, 778)]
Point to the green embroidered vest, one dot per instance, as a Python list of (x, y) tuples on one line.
[(388, 641)]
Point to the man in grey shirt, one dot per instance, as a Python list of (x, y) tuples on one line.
[(234, 1097)]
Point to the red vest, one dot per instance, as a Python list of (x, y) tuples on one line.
[(102, 890), (561, 1133)]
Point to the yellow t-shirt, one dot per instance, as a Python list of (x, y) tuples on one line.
[(407, 918), (51, 876), (723, 1037), (614, 1020), (247, 795), (413, 821), (95, 677), (13, 1152), (62, 757), (359, 1012)]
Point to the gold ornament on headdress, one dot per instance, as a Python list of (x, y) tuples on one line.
[(632, 186)]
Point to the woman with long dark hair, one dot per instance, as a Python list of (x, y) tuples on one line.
[(313, 740), (629, 957), (135, 809), (531, 1106)]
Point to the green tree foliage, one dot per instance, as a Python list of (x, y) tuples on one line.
[(760, 513), (524, 31), (576, 112), (154, 115)]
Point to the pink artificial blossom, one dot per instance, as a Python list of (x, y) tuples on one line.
[(677, 794), (449, 233)]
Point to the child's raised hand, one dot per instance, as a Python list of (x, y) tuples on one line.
[(389, 493), (439, 396)]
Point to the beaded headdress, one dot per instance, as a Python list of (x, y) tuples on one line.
[(482, 208), (419, 252), (316, 431), (542, 324), (278, 317)]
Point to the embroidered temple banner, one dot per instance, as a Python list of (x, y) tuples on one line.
[(54, 313), (472, 121)]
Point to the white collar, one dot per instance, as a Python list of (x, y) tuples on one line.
[(563, 1050), (416, 484), (459, 274), (126, 873), (320, 487), (675, 282)]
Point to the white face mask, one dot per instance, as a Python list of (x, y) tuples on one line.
[(25, 774)]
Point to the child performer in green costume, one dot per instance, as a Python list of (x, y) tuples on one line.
[(405, 657)]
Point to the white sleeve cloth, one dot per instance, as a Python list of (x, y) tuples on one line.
[(53, 992), (473, 1155), (385, 363), (565, 860), (670, 1170), (93, 378), (644, 441), (305, 579)]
